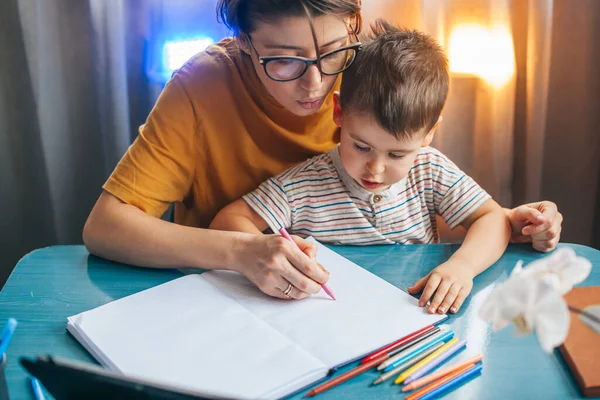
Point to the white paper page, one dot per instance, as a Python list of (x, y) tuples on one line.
[(186, 334), (368, 313)]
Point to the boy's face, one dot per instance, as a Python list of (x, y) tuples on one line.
[(371, 156)]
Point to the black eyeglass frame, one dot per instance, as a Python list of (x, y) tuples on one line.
[(357, 47)]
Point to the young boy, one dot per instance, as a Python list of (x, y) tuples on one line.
[(383, 184)]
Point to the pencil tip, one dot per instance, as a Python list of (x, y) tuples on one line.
[(376, 382)]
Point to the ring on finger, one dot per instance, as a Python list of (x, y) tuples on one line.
[(288, 290)]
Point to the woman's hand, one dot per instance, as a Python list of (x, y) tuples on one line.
[(273, 264), (448, 285), (537, 223)]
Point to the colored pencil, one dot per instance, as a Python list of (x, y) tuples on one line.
[(452, 383), (402, 377), (324, 286), (436, 375), (397, 343), (407, 364), (345, 376), (439, 382), (435, 362)]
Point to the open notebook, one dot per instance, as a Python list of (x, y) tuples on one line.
[(217, 335)]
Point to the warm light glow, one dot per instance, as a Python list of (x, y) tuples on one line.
[(485, 52)]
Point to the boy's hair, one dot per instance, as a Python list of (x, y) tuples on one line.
[(400, 77), (241, 15)]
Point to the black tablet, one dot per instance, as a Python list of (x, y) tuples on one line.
[(66, 379)]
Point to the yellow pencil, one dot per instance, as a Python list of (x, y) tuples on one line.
[(402, 377)]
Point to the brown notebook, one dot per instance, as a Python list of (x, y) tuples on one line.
[(581, 349)]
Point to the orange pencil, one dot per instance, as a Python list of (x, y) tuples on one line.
[(436, 375), (439, 382), (347, 375)]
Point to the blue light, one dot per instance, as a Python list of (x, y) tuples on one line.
[(177, 52)]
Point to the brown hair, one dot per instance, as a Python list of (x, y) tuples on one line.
[(241, 15), (400, 77)]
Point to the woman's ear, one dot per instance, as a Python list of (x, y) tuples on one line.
[(337, 110), (244, 43), (429, 137)]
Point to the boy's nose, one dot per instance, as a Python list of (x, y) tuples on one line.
[(312, 80), (375, 167)]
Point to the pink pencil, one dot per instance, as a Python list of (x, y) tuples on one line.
[(286, 235)]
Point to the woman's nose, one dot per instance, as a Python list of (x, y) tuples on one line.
[(312, 79)]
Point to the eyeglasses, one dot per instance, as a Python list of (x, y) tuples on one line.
[(289, 68)]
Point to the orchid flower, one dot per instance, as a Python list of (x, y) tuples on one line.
[(532, 299)]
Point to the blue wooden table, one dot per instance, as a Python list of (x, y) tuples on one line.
[(51, 284)]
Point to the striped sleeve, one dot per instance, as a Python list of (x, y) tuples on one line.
[(270, 201), (457, 195)]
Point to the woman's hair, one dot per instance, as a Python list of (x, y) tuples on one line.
[(400, 77), (241, 15)]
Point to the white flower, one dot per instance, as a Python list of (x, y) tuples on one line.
[(532, 297)]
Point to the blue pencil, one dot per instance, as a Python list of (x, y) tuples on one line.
[(452, 383), (37, 389), (436, 361), (7, 334), (443, 338)]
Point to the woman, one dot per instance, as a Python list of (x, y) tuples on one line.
[(231, 117)]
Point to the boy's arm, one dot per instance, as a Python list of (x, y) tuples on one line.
[(488, 233), (240, 217)]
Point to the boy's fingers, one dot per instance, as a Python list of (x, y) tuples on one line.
[(430, 286), (459, 301), (449, 299), (419, 285), (440, 294)]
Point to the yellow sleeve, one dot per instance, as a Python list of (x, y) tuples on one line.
[(158, 167)]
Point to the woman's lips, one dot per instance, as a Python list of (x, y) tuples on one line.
[(311, 104)]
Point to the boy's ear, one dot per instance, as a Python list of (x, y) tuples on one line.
[(337, 110), (429, 137)]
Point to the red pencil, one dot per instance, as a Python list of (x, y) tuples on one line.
[(397, 344), (347, 375)]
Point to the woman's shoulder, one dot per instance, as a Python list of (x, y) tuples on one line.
[(212, 66)]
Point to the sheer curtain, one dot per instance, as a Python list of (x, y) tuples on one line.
[(523, 113), (72, 92)]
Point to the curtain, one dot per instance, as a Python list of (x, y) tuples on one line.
[(72, 92), (529, 130)]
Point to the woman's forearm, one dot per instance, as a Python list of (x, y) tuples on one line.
[(123, 233)]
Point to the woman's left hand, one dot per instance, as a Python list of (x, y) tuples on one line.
[(537, 223)]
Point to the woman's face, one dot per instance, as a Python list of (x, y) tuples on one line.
[(292, 36)]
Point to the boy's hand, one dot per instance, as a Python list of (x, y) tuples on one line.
[(451, 282)]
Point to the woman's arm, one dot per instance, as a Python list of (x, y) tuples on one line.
[(537, 223), (123, 233)]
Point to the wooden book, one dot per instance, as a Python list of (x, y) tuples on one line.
[(581, 349)]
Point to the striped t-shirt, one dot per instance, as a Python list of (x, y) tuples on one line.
[(318, 198)]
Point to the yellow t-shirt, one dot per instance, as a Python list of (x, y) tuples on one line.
[(214, 135)]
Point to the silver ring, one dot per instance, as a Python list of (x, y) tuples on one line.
[(287, 291)]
